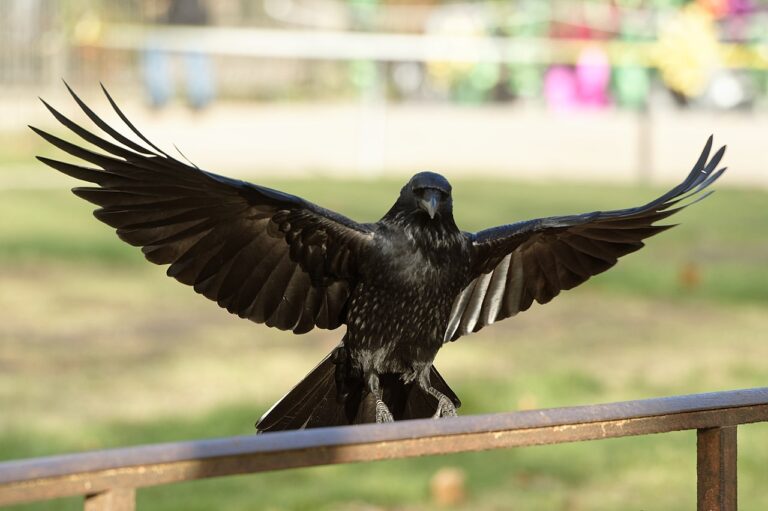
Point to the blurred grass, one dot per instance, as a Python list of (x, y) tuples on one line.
[(717, 237), (16, 148), (99, 349)]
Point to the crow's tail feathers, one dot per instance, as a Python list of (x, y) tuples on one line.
[(310, 404), (314, 402)]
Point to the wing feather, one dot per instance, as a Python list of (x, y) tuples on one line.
[(260, 253), (520, 263)]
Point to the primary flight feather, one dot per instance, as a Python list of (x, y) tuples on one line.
[(403, 286)]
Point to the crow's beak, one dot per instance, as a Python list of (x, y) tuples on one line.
[(429, 202)]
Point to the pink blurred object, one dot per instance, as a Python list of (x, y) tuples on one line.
[(593, 77), (560, 89), (740, 6), (586, 86), (737, 27)]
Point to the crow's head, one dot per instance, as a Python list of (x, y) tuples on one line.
[(430, 193)]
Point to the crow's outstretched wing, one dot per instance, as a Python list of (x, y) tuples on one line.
[(534, 260), (262, 254)]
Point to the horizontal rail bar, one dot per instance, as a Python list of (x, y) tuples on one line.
[(88, 473), (389, 46)]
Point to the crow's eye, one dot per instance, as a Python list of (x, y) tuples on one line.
[(421, 192)]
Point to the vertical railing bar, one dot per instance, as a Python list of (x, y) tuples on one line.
[(716, 469), (114, 499)]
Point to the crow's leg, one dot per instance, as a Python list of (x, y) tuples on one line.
[(382, 412), (445, 407)]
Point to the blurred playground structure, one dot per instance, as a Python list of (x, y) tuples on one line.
[(521, 87)]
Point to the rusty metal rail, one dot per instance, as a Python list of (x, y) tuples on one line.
[(108, 479)]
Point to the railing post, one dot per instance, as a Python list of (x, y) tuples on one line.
[(716, 469), (116, 499)]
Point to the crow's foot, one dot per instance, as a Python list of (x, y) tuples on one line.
[(445, 408), (382, 412)]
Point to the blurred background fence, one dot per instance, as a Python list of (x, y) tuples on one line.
[(565, 53), (461, 87)]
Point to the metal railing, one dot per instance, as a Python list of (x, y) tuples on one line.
[(108, 479)]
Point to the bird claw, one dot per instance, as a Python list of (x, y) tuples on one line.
[(445, 408), (382, 413)]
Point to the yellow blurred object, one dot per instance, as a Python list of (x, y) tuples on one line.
[(88, 29), (448, 486), (688, 51), (457, 23)]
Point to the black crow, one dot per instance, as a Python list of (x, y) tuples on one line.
[(403, 286)]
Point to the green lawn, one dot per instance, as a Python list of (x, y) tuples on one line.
[(99, 349), (720, 237)]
